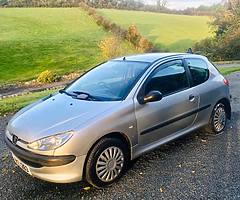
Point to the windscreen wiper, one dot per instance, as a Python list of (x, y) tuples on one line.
[(62, 91), (85, 96)]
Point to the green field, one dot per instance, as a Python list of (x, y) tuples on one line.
[(169, 32), (13, 104), (35, 39), (65, 39)]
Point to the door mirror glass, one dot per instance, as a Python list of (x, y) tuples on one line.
[(152, 96)]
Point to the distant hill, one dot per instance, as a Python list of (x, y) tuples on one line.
[(167, 31)]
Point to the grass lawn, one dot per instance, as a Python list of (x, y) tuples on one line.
[(171, 32), (228, 70), (35, 39), (10, 105)]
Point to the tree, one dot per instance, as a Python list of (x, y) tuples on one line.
[(110, 47), (161, 4), (3, 2), (226, 43), (233, 5)]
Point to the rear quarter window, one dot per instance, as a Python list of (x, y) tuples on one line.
[(198, 69)]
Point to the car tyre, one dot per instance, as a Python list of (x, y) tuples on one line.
[(218, 120), (106, 162)]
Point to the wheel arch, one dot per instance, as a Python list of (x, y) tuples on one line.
[(227, 104), (123, 137)]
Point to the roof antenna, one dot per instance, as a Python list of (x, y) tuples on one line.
[(124, 58), (190, 51)]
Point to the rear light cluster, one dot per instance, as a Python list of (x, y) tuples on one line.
[(226, 82)]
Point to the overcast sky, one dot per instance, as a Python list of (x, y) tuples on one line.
[(182, 4)]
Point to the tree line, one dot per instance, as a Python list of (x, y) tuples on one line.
[(225, 45), (121, 4), (157, 6)]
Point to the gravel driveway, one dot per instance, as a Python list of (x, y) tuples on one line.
[(198, 166)]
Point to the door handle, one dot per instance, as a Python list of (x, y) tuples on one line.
[(191, 97)]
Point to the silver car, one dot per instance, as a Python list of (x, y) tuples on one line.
[(114, 113)]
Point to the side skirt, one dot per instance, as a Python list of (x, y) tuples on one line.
[(138, 150)]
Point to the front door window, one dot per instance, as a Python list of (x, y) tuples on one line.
[(168, 79)]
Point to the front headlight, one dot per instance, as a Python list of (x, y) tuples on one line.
[(52, 142)]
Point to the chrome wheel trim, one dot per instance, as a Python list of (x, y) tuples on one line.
[(219, 119), (109, 164)]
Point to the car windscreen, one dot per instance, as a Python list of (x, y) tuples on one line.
[(110, 81)]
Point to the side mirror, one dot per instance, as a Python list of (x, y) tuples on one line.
[(152, 96)]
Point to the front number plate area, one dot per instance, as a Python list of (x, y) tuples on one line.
[(21, 164)]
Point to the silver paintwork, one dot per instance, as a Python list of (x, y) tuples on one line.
[(92, 120), (61, 174)]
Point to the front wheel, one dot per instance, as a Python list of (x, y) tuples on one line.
[(107, 162), (218, 119)]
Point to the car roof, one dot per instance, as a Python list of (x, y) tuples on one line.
[(149, 57)]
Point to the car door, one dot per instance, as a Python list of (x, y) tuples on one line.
[(175, 111)]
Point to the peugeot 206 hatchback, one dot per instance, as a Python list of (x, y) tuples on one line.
[(114, 113)]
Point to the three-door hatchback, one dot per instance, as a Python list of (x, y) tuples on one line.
[(114, 113)]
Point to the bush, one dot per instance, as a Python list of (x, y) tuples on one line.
[(208, 47), (48, 76), (144, 45), (92, 11), (231, 44), (119, 32), (225, 44), (110, 47), (221, 48), (133, 35), (106, 24), (99, 20)]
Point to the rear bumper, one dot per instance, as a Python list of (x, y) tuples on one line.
[(57, 169)]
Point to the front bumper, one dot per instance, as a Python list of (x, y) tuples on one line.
[(58, 169)]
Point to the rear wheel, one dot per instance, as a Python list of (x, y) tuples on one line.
[(218, 119), (106, 162)]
